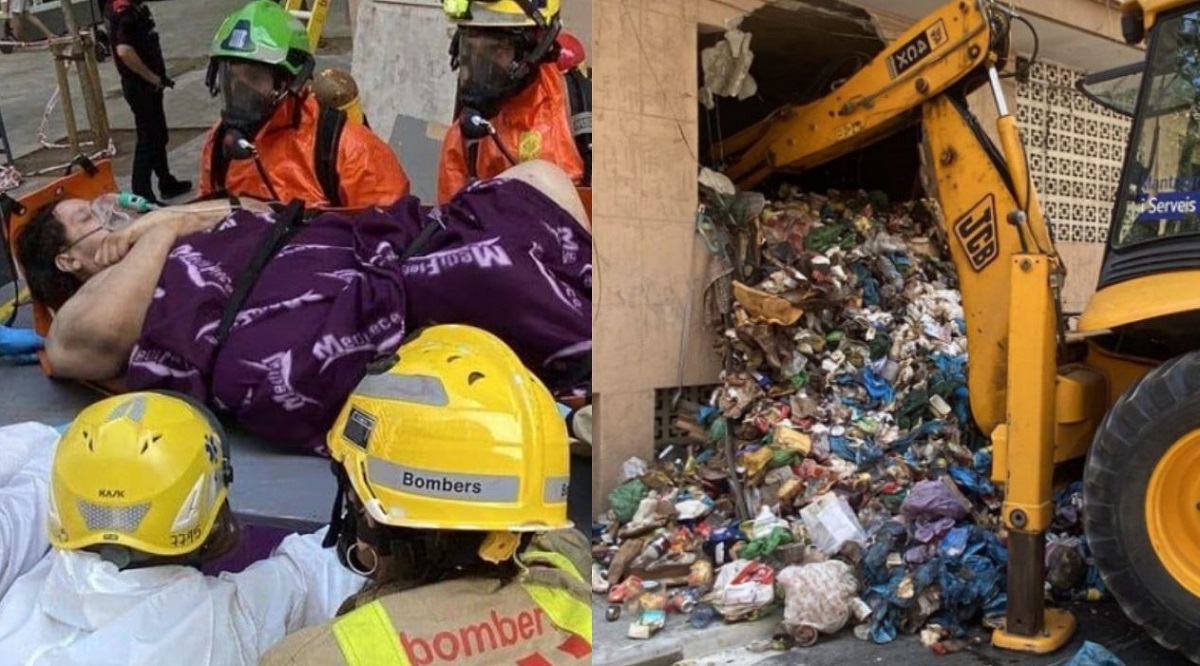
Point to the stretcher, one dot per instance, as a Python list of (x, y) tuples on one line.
[(84, 179), (273, 488)]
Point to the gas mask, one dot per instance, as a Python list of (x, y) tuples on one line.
[(250, 91), (492, 66)]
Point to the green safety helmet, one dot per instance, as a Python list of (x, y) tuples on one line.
[(260, 54), (264, 32)]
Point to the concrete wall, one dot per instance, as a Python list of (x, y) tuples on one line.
[(402, 66), (648, 262), (649, 266)]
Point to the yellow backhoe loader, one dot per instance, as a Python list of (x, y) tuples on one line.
[(1124, 389)]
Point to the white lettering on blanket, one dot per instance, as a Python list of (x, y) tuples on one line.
[(297, 248), (331, 347), (279, 373), (202, 272), (346, 275), (563, 291), (161, 363), (484, 254), (566, 239)]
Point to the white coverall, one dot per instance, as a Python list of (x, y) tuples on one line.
[(74, 609), (26, 453)]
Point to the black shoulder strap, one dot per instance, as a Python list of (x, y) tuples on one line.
[(579, 95), (286, 224), (218, 165), (330, 123)]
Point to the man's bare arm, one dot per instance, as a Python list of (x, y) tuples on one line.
[(93, 333), (134, 61), (184, 220)]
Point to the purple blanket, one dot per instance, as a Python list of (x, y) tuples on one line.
[(335, 297)]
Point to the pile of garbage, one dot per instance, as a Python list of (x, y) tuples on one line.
[(836, 472)]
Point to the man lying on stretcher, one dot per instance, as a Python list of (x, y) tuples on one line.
[(141, 306)]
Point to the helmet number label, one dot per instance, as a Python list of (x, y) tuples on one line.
[(557, 489), (358, 427), (185, 539)]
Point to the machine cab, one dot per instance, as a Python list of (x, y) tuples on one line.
[(1148, 281)]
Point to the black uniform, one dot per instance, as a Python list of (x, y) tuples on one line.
[(130, 23)]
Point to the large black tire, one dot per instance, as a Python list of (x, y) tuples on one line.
[(1146, 421)]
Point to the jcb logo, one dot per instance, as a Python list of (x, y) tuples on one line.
[(977, 233)]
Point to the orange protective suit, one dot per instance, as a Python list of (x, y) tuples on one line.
[(534, 124), (369, 172)]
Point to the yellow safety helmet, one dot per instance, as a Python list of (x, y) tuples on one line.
[(147, 471), (457, 435), (501, 13)]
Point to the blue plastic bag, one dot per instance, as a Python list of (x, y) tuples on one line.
[(1094, 654)]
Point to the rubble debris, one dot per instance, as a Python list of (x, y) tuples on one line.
[(820, 598), (835, 473), (726, 69)]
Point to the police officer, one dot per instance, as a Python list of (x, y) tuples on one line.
[(139, 60)]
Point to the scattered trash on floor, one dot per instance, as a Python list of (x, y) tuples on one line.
[(835, 474)]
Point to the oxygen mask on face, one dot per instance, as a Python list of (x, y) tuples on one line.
[(116, 211)]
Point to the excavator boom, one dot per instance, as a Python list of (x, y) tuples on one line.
[(936, 53), (978, 188), (1007, 266)]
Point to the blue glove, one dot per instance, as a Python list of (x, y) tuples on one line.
[(18, 346)]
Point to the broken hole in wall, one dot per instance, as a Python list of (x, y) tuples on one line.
[(793, 52)]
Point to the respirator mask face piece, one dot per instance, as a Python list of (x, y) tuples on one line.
[(250, 91), (489, 67)]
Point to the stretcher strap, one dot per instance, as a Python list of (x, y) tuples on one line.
[(414, 248), (286, 223)]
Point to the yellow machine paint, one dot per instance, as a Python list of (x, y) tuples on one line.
[(1171, 507), (1010, 276)]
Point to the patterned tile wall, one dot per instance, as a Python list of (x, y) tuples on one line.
[(1076, 149)]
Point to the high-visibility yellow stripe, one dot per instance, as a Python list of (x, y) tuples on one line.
[(565, 611), (367, 638), (556, 560)]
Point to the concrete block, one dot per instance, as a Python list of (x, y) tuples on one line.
[(618, 57), (668, 52), (667, 168), (577, 18), (618, 339), (618, 274), (623, 426), (418, 153), (416, 82), (1083, 261)]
